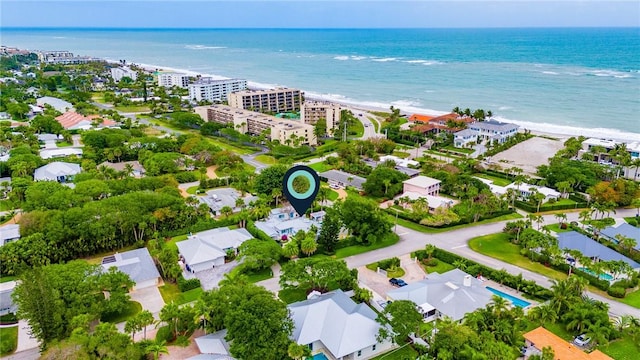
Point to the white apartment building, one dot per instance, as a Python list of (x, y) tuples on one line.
[(287, 132), (117, 73), (274, 100), (215, 90), (312, 111), (173, 79)]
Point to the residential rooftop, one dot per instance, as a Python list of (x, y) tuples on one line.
[(573, 240), (562, 350)]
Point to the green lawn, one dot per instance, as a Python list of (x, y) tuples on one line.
[(263, 274), (171, 293), (359, 249), (622, 349), (632, 299), (266, 159), (192, 190), (556, 228), (333, 196), (375, 123), (132, 108), (496, 180), (398, 272), (460, 150), (290, 296), (8, 340), (7, 278), (441, 268), (63, 143), (628, 219), (132, 308), (175, 239), (356, 127), (225, 173), (498, 246), (563, 202), (403, 353), (429, 230), (321, 166), (401, 154)]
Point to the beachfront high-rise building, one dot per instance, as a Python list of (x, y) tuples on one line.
[(173, 79), (272, 100), (117, 73), (288, 132), (62, 57), (215, 90), (312, 111)]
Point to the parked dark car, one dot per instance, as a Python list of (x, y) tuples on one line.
[(397, 282)]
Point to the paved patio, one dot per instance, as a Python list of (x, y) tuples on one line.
[(209, 279), (149, 298)]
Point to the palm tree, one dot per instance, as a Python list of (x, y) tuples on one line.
[(157, 348), (234, 278), (626, 242), (276, 193), (585, 216), (226, 211), (543, 314), (298, 352)]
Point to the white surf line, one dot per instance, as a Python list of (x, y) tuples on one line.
[(459, 246)]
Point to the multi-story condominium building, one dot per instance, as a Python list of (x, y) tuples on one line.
[(215, 90), (117, 73), (272, 100), (62, 57), (312, 111), (173, 79), (288, 132)]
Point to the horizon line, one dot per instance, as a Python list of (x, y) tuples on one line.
[(305, 28)]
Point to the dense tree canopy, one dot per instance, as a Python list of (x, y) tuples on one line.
[(364, 219)]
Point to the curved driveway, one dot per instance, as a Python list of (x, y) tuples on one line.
[(455, 241)]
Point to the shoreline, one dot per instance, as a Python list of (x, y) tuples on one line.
[(561, 132)]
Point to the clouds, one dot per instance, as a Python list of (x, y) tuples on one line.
[(317, 13)]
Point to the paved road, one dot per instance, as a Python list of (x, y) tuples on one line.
[(456, 242), (251, 160)]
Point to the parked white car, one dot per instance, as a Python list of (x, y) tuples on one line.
[(582, 340)]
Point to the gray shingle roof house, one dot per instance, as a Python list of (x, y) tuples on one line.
[(138, 264), (207, 249), (6, 302), (452, 294), (624, 229), (9, 233), (58, 104), (57, 171), (334, 323), (343, 179), (573, 240), (138, 169)]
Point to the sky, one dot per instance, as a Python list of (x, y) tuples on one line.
[(319, 13)]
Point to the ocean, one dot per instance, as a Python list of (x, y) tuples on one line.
[(582, 81)]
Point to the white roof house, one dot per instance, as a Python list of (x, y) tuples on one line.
[(213, 346), (423, 185), (6, 301), (9, 233), (60, 152), (138, 264), (433, 201), (523, 189), (207, 249), (399, 161), (452, 294), (333, 322), (58, 104), (286, 222), (343, 179), (57, 171), (218, 198)]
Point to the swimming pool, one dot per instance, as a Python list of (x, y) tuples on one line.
[(603, 276), (320, 356), (514, 300)]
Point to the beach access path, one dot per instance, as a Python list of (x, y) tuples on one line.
[(456, 242)]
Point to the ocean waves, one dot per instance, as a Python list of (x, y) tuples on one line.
[(203, 47)]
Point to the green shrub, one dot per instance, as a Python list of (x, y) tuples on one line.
[(164, 334), (431, 262), (389, 263), (633, 222), (186, 285), (8, 319), (617, 291), (185, 176)]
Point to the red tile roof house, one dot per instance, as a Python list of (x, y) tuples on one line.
[(427, 124), (71, 120)]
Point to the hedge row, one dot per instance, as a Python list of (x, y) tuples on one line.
[(186, 285), (410, 217), (533, 208), (528, 287), (257, 233), (217, 182)]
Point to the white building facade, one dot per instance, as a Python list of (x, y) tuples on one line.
[(117, 73), (173, 79), (215, 90)]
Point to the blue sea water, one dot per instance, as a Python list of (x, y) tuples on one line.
[(572, 81)]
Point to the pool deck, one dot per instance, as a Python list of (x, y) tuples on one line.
[(507, 290)]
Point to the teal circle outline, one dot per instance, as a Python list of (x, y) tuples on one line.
[(306, 194)]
